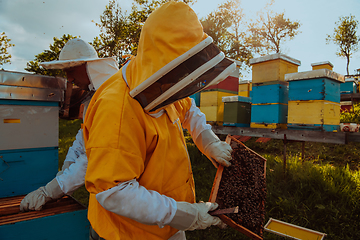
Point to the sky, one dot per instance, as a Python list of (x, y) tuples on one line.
[(32, 24)]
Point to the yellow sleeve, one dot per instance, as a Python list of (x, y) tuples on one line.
[(114, 139)]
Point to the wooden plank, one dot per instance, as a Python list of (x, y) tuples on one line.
[(298, 135)]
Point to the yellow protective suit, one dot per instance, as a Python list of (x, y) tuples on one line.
[(123, 142)]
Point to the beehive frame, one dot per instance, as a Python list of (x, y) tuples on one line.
[(217, 184)]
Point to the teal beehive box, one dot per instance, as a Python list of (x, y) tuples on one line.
[(29, 127), (314, 100), (320, 84), (348, 87), (237, 111), (196, 98), (270, 92)]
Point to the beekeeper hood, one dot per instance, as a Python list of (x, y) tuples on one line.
[(175, 58), (77, 52)]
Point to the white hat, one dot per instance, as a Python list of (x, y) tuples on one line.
[(75, 52)]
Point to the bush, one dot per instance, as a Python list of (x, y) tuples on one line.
[(352, 116)]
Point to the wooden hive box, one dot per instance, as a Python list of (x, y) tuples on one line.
[(321, 84), (245, 87), (322, 65), (270, 115), (272, 67), (317, 115), (63, 219), (29, 115), (242, 185), (196, 97), (212, 106), (237, 111), (348, 87), (270, 92)]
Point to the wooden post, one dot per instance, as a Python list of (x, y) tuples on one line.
[(284, 154), (303, 151)]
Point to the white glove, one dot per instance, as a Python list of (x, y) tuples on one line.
[(37, 199), (191, 216), (217, 151)]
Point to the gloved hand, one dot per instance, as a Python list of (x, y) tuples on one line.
[(37, 199), (217, 151), (191, 216)]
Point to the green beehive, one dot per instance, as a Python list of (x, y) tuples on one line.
[(237, 111)]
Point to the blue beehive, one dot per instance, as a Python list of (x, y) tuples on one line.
[(196, 98), (321, 84), (270, 92), (29, 114), (348, 87), (314, 100), (269, 104)]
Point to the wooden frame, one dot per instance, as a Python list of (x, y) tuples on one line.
[(215, 189)]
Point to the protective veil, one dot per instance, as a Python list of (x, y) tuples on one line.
[(138, 165)]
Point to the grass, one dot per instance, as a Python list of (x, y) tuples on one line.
[(321, 193)]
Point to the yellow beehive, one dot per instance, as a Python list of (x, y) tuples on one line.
[(318, 112), (272, 67), (322, 65), (212, 106), (269, 125), (244, 88)]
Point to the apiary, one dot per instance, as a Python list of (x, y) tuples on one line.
[(29, 115), (270, 92), (314, 100), (318, 115), (242, 185), (237, 111), (349, 86), (269, 115), (322, 65), (62, 219), (196, 98), (273, 67), (245, 88), (211, 98), (229, 84), (269, 105)]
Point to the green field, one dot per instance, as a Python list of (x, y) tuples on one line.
[(321, 193)]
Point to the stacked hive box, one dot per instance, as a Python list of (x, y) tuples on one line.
[(237, 111), (245, 88), (29, 113), (322, 65), (314, 100), (196, 98), (211, 103), (270, 91), (349, 86)]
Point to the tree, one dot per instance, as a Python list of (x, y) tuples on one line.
[(345, 37), (120, 31), (227, 26), (49, 55), (271, 29), (4, 45)]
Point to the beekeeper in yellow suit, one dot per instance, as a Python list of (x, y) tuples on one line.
[(139, 174)]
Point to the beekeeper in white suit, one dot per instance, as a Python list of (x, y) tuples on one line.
[(84, 69)]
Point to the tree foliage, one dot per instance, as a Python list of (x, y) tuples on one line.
[(227, 26), (271, 29), (120, 30), (345, 37), (4, 45), (49, 55)]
